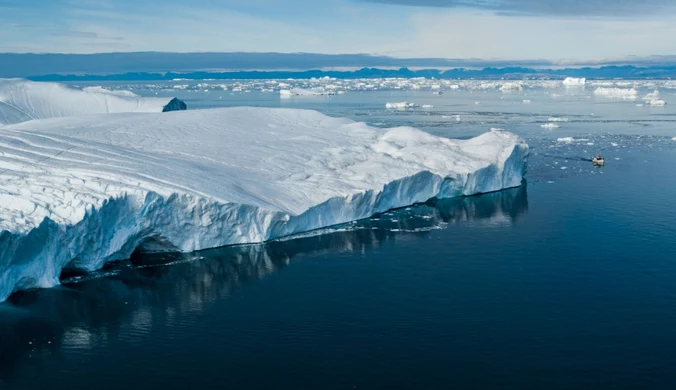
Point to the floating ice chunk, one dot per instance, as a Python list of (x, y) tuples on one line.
[(557, 119), (654, 95), (455, 87), (673, 139), (511, 87), (616, 93), (23, 100), (658, 103), (639, 104), (401, 105), (85, 191), (427, 106), (550, 126), (526, 101), (569, 140), (574, 82), (305, 92)]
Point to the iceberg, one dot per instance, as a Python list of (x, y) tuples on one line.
[(550, 126), (80, 192), (616, 93), (511, 87), (574, 82), (23, 100), (654, 100), (305, 92), (569, 140), (402, 105)]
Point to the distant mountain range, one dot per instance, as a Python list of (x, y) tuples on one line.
[(605, 72), (168, 66)]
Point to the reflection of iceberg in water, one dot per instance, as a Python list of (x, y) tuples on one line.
[(152, 288)]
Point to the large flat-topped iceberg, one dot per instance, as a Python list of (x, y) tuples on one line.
[(23, 100), (81, 192)]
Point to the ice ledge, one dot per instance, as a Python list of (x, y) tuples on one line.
[(188, 223)]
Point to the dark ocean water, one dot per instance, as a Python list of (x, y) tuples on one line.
[(567, 282)]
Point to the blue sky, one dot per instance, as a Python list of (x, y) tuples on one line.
[(490, 29)]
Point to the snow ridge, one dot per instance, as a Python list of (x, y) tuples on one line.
[(23, 100)]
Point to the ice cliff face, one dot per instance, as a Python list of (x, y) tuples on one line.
[(83, 191), (23, 100)]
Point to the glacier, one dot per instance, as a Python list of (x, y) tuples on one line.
[(80, 192), (22, 100)]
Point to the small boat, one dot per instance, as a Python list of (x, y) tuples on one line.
[(598, 160)]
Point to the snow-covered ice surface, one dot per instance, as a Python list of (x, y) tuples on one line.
[(80, 192), (23, 100)]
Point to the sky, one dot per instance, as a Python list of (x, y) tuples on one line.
[(559, 30)]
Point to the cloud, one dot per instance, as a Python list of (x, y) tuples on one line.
[(607, 8), (83, 34)]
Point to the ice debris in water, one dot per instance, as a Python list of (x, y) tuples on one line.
[(616, 93), (305, 92), (653, 99), (80, 192), (511, 87), (550, 126), (401, 105), (571, 140), (557, 119), (576, 82)]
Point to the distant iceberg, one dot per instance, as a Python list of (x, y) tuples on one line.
[(401, 105), (550, 126), (617, 93), (654, 99), (23, 100), (574, 82), (305, 92), (79, 192), (511, 87), (569, 140)]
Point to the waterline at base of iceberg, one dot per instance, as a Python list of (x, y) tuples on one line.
[(185, 223)]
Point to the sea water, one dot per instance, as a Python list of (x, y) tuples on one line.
[(566, 282)]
